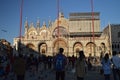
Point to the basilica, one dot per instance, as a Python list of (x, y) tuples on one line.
[(80, 31)]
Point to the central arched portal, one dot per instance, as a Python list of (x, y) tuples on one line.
[(60, 43), (42, 48)]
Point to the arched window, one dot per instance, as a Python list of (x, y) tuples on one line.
[(115, 46), (118, 34), (61, 31), (118, 46), (112, 46)]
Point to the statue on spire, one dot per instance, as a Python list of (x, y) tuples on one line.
[(38, 23), (61, 15), (44, 24), (26, 23)]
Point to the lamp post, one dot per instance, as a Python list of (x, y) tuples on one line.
[(3, 31)]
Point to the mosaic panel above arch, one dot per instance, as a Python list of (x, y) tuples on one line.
[(30, 48), (60, 31), (32, 34), (44, 33)]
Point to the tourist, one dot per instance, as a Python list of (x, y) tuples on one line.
[(89, 64), (19, 67), (116, 65), (60, 62), (106, 66), (80, 66)]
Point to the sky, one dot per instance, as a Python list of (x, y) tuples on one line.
[(46, 10)]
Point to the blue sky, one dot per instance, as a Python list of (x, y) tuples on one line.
[(47, 9)]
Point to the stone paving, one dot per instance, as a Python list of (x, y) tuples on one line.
[(49, 74)]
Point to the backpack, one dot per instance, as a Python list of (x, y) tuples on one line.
[(59, 65)]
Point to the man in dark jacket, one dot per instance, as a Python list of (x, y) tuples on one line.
[(19, 67), (60, 62)]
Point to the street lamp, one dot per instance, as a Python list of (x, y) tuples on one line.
[(3, 31)]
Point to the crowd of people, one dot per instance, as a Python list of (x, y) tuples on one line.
[(19, 64), (111, 66), (59, 63)]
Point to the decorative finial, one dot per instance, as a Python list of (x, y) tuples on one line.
[(61, 15), (31, 25), (26, 23), (38, 20), (44, 24)]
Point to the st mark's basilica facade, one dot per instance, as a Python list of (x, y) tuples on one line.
[(73, 34)]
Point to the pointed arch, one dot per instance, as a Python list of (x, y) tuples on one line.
[(60, 43), (30, 48), (42, 48)]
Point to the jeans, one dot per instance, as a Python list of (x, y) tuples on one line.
[(107, 76), (80, 78), (60, 75), (20, 77), (116, 73)]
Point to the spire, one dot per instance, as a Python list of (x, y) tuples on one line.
[(31, 25), (26, 23), (38, 23), (26, 27), (44, 24), (61, 15), (49, 22)]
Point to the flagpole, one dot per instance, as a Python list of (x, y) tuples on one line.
[(21, 8), (93, 26), (20, 35)]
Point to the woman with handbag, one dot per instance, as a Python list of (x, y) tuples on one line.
[(106, 65), (80, 66)]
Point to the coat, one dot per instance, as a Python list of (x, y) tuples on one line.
[(19, 66), (106, 66), (80, 68)]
